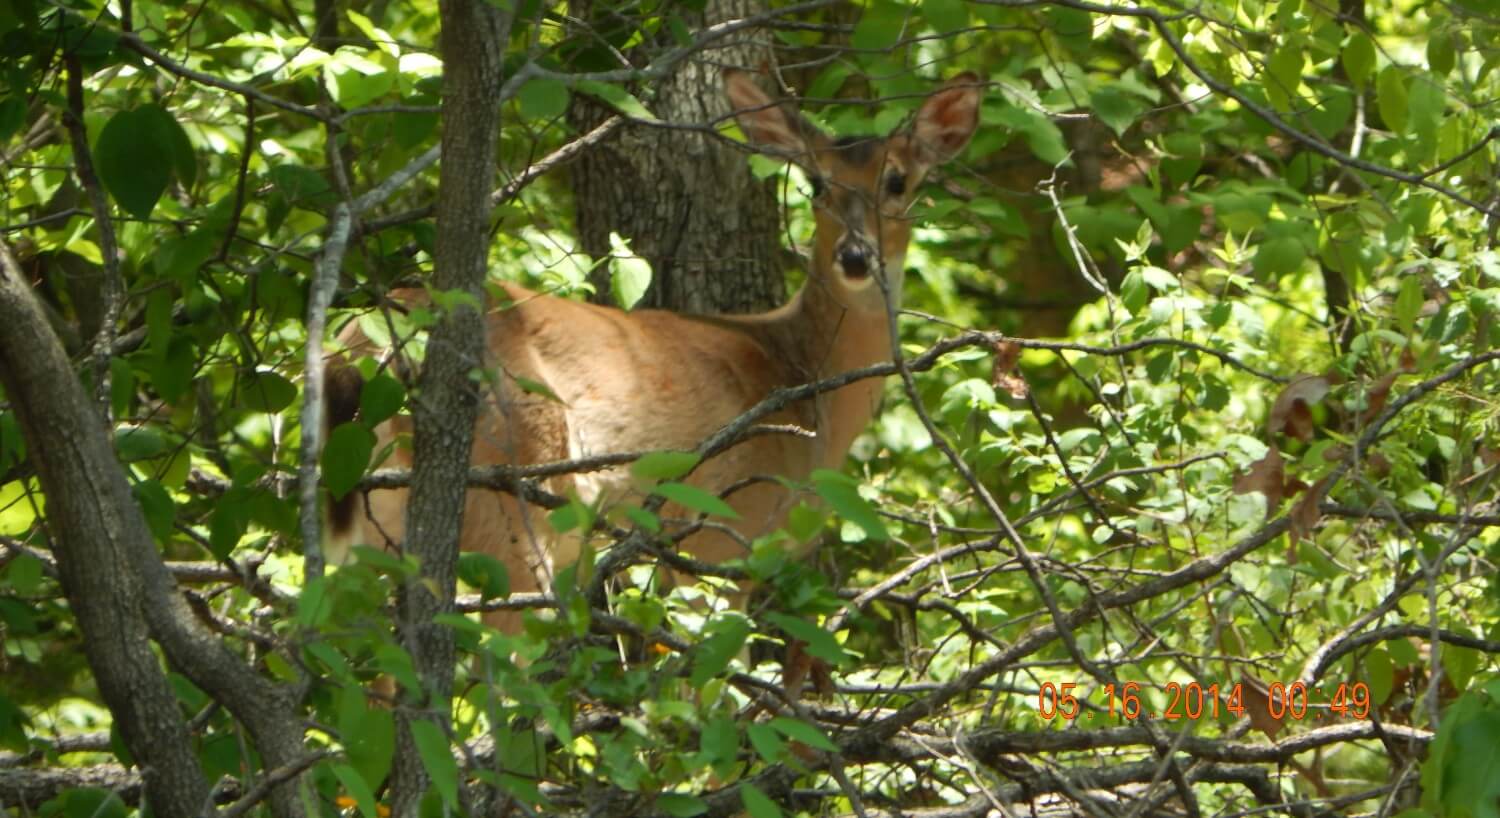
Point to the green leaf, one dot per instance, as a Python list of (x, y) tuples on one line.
[(24, 574), (358, 789), (1359, 58), (808, 734), (543, 98), (87, 802), (442, 769), (1391, 98), (1279, 256), (1002, 217), (1427, 102), (412, 129), (643, 518), (1335, 105), (629, 274), (945, 15), (368, 734), (301, 186), (1409, 302), (757, 803), (575, 514), (696, 499), (1115, 108), (879, 27), (377, 36), (485, 574), (1284, 70), (532, 387), (12, 444), (1441, 56), (264, 391), (719, 741), (842, 493), (1186, 149), (820, 643), (829, 81), (766, 742), (1043, 136), (135, 443), (1134, 293), (680, 805), (1459, 664), (137, 153), (681, 35), (714, 653), (13, 724), (12, 116), (345, 457), (1380, 675), (379, 399), (179, 257), (805, 522), (180, 149), (1074, 27), (171, 372), (665, 465), (231, 517), (1468, 774), (617, 98), (1159, 367), (157, 506)]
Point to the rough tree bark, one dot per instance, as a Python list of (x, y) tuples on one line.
[(472, 42), (687, 202), (96, 530), (117, 584)]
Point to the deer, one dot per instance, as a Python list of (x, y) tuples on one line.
[(656, 380)]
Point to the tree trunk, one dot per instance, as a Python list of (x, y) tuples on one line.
[(473, 37), (97, 531), (686, 201)]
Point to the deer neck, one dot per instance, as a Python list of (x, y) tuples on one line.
[(828, 334)]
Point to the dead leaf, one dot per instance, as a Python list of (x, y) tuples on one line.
[(1267, 476), (1291, 414), (795, 668), (800, 667), (1305, 516), (1005, 374), (1380, 392), (1375, 399), (1256, 699)]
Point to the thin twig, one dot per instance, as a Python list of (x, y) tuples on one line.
[(112, 290)]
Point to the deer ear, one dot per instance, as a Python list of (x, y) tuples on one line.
[(947, 119), (770, 125)]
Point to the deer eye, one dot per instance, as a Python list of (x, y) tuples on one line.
[(817, 185), (895, 184)]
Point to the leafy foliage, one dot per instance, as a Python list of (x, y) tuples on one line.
[(1201, 340)]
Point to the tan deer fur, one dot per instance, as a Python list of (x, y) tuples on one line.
[(649, 380)]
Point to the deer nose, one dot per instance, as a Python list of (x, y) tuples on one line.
[(854, 261)]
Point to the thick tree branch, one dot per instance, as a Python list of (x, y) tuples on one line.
[(98, 535), (472, 39), (116, 581)]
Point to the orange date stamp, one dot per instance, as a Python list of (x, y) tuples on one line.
[(1192, 700)]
